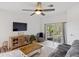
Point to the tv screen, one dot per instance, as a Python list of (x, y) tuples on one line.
[(19, 26)]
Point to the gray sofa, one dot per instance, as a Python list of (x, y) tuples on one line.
[(74, 50), (66, 50)]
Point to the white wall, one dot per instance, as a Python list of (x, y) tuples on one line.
[(6, 19), (73, 24)]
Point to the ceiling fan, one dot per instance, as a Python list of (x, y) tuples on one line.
[(39, 9)]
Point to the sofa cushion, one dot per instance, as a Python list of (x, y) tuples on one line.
[(64, 47), (60, 51), (74, 50), (75, 43)]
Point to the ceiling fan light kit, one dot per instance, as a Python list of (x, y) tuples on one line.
[(39, 10)]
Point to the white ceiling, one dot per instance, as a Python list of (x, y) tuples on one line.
[(18, 6)]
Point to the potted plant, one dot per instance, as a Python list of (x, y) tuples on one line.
[(50, 30), (32, 38)]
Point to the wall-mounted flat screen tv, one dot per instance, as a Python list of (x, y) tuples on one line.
[(17, 26)]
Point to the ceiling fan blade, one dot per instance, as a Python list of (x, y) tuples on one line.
[(32, 14), (43, 14), (48, 10), (27, 10)]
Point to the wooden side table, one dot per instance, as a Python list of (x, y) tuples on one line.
[(31, 49)]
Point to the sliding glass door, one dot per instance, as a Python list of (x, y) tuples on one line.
[(55, 32)]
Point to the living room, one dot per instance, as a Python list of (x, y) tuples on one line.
[(65, 12)]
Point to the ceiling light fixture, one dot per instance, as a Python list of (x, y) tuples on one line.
[(38, 12)]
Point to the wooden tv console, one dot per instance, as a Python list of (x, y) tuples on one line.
[(18, 41)]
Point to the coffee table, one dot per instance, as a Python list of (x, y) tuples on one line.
[(31, 49)]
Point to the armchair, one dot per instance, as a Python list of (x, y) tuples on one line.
[(40, 37)]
